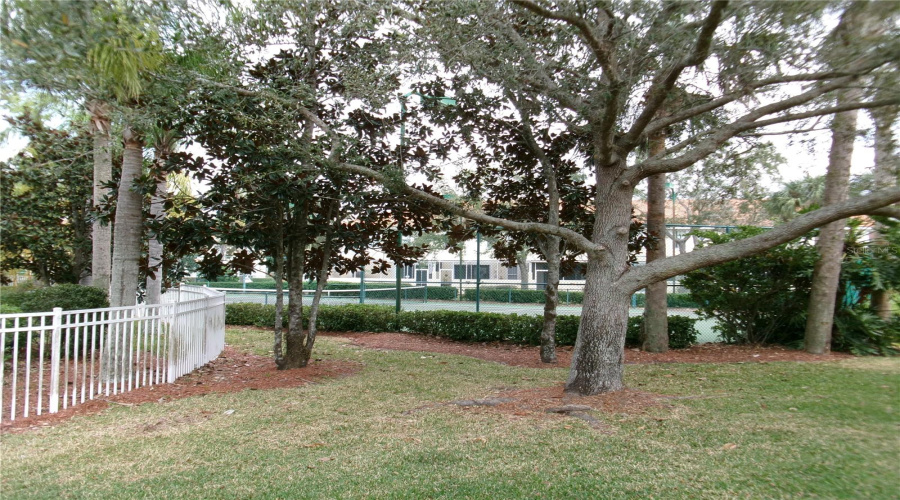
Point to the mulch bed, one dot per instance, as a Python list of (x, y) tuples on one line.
[(232, 371), (236, 371)]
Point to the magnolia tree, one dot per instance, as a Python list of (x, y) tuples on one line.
[(270, 191)]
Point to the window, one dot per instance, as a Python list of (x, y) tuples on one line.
[(512, 273), (409, 271), (467, 271), (577, 272)]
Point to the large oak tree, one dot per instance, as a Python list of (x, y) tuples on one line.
[(752, 63)]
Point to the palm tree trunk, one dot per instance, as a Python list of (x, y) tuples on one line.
[(154, 245), (887, 166), (127, 238), (656, 320), (101, 235)]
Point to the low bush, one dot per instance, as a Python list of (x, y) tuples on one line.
[(269, 284), (682, 331), (9, 309), (68, 297), (345, 318), (430, 293), (863, 333), (14, 295)]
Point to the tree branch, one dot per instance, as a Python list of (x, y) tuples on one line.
[(639, 277), (568, 100), (665, 81), (532, 227), (892, 212), (599, 46), (705, 147), (858, 70)]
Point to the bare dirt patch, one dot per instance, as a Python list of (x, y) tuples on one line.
[(232, 371), (554, 403), (528, 356)]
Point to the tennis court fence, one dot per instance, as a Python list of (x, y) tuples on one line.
[(503, 297)]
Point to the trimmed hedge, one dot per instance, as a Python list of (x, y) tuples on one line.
[(682, 331), (455, 325), (68, 297), (14, 295)]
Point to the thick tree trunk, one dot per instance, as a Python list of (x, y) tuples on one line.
[(550, 249), (597, 361), (155, 247), (101, 237), (830, 245), (598, 358), (656, 311), (127, 238), (887, 166)]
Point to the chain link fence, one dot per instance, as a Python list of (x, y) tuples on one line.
[(489, 296)]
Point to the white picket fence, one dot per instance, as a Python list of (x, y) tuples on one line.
[(60, 359)]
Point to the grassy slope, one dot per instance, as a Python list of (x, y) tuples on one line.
[(828, 430)]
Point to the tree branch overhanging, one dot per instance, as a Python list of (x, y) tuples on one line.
[(599, 45), (573, 237), (665, 81), (639, 277), (704, 147)]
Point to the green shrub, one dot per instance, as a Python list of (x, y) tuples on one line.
[(682, 331), (14, 295), (355, 318), (246, 314), (431, 293), (269, 284), (68, 297), (9, 309), (756, 299), (863, 333)]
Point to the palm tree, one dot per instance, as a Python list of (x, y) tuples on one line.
[(101, 234), (795, 197), (164, 144)]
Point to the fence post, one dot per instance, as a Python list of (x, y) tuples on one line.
[(362, 286), (173, 329), (54, 359), (478, 270)]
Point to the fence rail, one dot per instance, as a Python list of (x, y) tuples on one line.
[(58, 359)]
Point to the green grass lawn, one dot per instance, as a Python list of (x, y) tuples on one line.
[(774, 430)]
